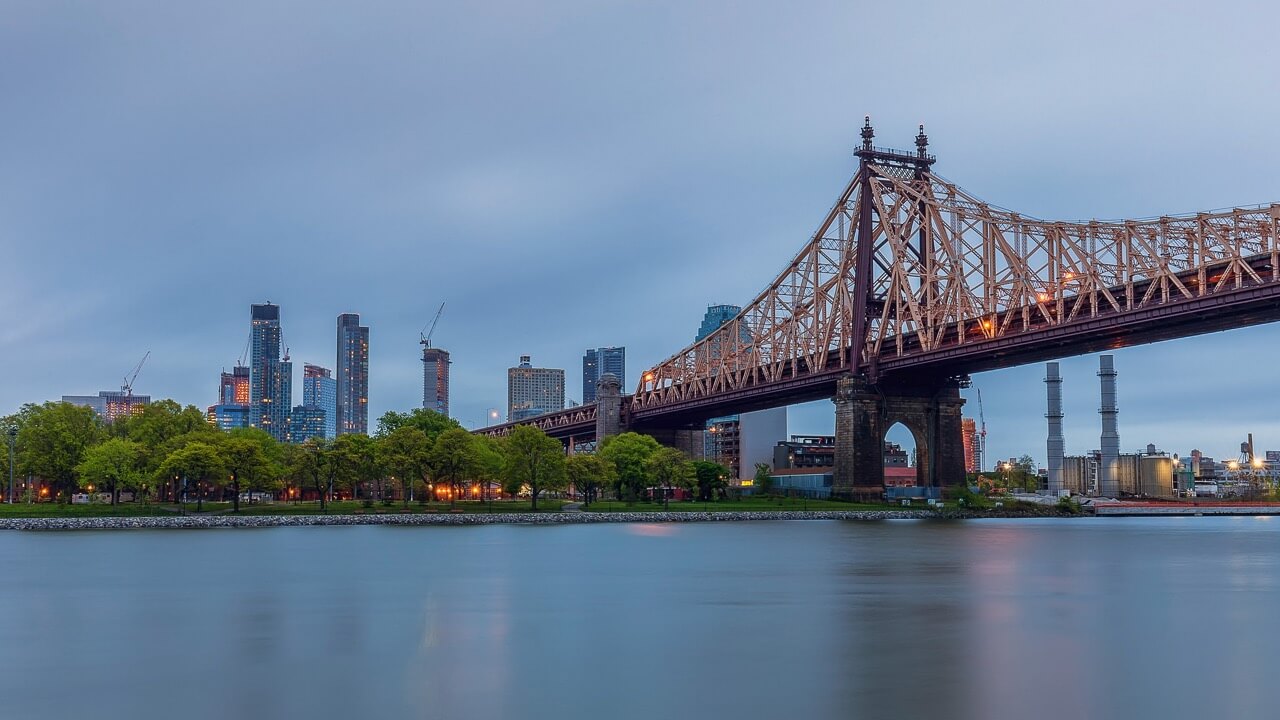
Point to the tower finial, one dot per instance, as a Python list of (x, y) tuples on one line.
[(922, 143), (867, 133)]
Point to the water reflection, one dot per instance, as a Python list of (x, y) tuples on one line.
[(992, 619)]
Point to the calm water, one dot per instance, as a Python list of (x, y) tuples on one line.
[(1140, 618)]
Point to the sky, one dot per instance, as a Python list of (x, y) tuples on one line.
[(567, 175)]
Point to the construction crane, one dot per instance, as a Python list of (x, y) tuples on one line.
[(982, 434), (425, 340), (127, 388)]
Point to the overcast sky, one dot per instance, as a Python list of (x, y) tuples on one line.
[(569, 175)]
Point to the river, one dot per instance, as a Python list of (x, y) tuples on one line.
[(1091, 618)]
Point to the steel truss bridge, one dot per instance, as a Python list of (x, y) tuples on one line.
[(911, 279)]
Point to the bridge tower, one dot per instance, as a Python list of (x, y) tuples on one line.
[(867, 404)]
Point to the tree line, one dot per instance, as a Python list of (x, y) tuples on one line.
[(169, 453)]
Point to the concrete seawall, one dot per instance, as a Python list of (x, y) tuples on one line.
[(264, 521)]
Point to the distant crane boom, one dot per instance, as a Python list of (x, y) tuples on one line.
[(128, 381), (426, 339)]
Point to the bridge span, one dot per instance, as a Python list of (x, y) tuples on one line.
[(910, 284)]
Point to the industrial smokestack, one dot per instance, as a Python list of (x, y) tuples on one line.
[(1108, 472), (1053, 381)]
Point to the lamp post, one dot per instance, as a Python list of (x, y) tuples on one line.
[(12, 435)]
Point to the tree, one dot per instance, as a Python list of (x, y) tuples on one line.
[(710, 478), (629, 453), (315, 464), (454, 460), (763, 482), (430, 422), (406, 453), (198, 462), (489, 462), (246, 459), (114, 465), (157, 427), (52, 441), (588, 473), (357, 461), (533, 460), (669, 469)]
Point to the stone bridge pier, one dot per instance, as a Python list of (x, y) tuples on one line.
[(866, 411)]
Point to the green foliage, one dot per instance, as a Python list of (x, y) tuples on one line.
[(763, 482), (535, 461), (406, 453), (589, 474), (629, 453), (199, 463), (353, 460), (430, 422), (454, 459), (52, 441), (1069, 506), (113, 465), (247, 455), (711, 479), (670, 469)]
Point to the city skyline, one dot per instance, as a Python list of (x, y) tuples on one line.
[(179, 182)]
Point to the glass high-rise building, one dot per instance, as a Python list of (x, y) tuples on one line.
[(597, 362), (435, 380), (533, 391), (319, 393), (270, 378), (353, 375)]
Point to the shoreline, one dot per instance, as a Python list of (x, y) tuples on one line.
[(202, 522)]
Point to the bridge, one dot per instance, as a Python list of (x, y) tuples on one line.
[(910, 284)]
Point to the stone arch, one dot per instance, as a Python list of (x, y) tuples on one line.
[(917, 454)]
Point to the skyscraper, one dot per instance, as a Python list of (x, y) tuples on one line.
[(270, 378), (533, 391), (435, 380), (353, 375), (597, 362), (319, 392), (233, 388)]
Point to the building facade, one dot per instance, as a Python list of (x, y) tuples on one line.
[(533, 391), (229, 416), (597, 362), (353, 375), (972, 442), (233, 387), (319, 393), (270, 377), (306, 422), (109, 405), (435, 380)]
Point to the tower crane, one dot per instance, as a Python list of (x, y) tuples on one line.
[(425, 340), (127, 388)]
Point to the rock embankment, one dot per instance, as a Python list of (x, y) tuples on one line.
[(259, 521)]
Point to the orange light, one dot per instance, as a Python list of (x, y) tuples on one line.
[(986, 324), (1044, 297), (648, 377), (1068, 276)]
